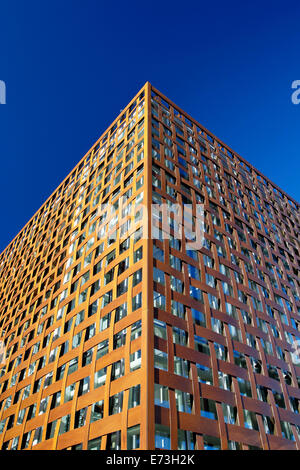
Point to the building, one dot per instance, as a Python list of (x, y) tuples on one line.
[(117, 340)]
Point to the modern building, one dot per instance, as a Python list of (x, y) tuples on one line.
[(116, 339)]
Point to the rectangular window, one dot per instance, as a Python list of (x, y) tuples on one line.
[(133, 437), (162, 437), (116, 403), (160, 359), (184, 401)]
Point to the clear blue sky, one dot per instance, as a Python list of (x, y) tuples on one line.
[(71, 65)]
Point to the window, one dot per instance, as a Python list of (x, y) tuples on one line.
[(245, 387), (116, 403), (135, 360), (97, 411), (160, 359), (94, 444), (69, 392), (180, 336), (104, 322), (64, 424), (160, 329), (84, 386), (158, 276), (250, 420), (161, 396), (122, 287), (118, 369), (133, 437), (162, 437), (196, 293), (211, 443), (186, 440), (136, 330), (230, 413), (158, 253), (184, 401), (100, 377), (80, 417), (201, 344), (181, 366), (159, 300), (208, 408), (134, 396), (114, 441), (137, 301), (119, 339), (137, 277), (175, 263), (204, 374), (198, 317), (194, 272), (121, 312), (102, 349), (176, 284)]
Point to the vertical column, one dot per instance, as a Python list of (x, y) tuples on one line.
[(147, 386)]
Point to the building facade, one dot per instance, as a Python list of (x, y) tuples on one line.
[(116, 339)]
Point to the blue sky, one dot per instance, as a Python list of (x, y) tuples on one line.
[(70, 66)]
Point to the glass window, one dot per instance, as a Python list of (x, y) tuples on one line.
[(201, 344), (184, 401), (94, 444), (204, 374), (178, 309), (245, 387), (198, 317), (114, 441), (116, 403), (100, 377), (135, 360), (80, 417), (118, 369), (64, 424), (136, 330), (69, 392), (162, 437), (161, 396), (250, 420), (180, 336), (102, 349), (181, 366), (176, 284), (133, 437), (159, 300), (211, 443), (137, 301), (230, 413), (158, 276), (160, 329), (97, 411), (160, 359), (186, 440), (134, 396), (208, 408)]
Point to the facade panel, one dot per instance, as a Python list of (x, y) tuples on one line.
[(116, 339)]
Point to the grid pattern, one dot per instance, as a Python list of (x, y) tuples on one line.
[(227, 316), (116, 341), (71, 305)]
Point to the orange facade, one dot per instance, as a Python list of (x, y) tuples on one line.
[(116, 340)]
